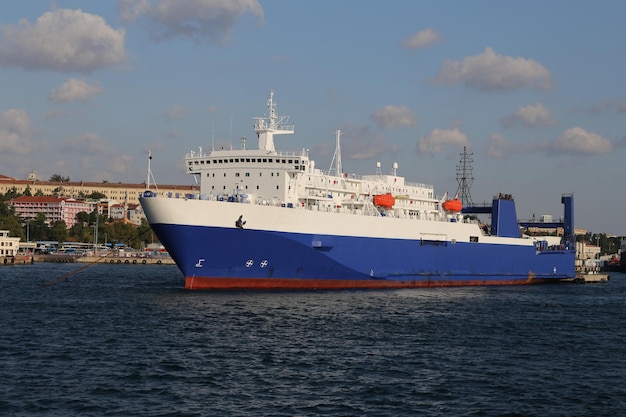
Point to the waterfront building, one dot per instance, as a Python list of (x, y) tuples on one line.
[(54, 208), (8, 245)]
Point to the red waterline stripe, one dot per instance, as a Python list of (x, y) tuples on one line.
[(204, 283)]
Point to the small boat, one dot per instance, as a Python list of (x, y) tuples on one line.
[(384, 200), (454, 206)]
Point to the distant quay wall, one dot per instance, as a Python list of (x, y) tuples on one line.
[(116, 260), (126, 260)]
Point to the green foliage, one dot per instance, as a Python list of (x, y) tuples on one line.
[(13, 225), (81, 231), (59, 231), (96, 195), (82, 217), (59, 178), (11, 194)]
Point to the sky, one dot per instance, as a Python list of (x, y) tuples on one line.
[(534, 90)]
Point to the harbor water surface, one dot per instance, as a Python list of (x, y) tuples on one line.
[(128, 340)]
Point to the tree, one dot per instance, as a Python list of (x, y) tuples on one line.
[(6, 209), (59, 231), (59, 178), (82, 217), (11, 194), (80, 233), (39, 229), (96, 195), (144, 233), (12, 224)]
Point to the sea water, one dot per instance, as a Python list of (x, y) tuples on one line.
[(128, 340)]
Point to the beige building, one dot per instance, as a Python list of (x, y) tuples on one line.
[(121, 192)]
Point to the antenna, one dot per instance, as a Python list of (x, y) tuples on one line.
[(337, 156), (150, 176), (464, 178)]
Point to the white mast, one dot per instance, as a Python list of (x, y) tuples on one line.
[(149, 170), (337, 156), (267, 127), (150, 176)]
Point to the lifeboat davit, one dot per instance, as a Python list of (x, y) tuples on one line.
[(453, 205), (384, 200)]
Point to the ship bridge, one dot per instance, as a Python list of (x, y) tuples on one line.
[(267, 127)]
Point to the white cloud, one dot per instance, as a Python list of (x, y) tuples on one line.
[(577, 141), (74, 90), (62, 40), (435, 141), (358, 142), (422, 39), (608, 105), (490, 72), (177, 112), (121, 164), (196, 19), (64, 114), (87, 144), (393, 116), (497, 146), (15, 132), (535, 115)]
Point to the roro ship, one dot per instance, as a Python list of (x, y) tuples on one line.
[(270, 219)]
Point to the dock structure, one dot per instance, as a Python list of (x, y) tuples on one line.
[(116, 260), (590, 274), (591, 277), (120, 260)]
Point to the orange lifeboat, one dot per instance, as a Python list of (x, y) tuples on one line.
[(384, 200), (453, 205)]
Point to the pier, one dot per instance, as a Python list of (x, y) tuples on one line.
[(116, 260)]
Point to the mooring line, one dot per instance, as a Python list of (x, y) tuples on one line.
[(69, 274)]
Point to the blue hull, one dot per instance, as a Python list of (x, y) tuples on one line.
[(242, 258)]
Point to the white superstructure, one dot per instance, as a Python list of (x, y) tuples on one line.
[(264, 176)]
